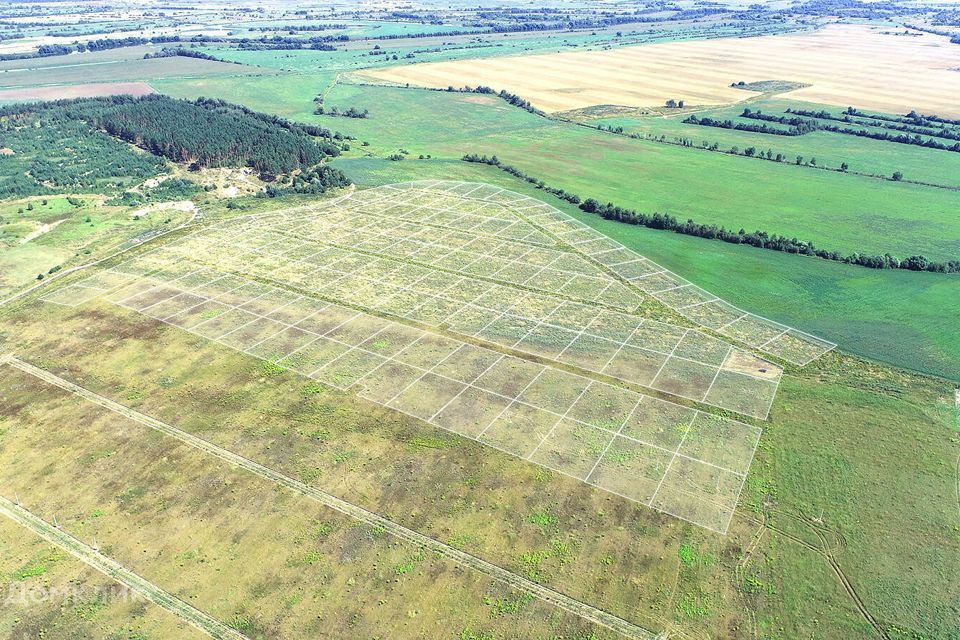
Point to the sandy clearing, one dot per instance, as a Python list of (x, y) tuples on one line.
[(78, 91), (843, 64)]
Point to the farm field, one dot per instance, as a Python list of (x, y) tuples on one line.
[(115, 69), (904, 319), (59, 235), (830, 150), (95, 604), (844, 64), (843, 212), (90, 90), (356, 56)]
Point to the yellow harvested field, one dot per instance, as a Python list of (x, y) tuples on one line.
[(843, 64)]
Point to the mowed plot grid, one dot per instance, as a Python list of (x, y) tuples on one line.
[(330, 293)]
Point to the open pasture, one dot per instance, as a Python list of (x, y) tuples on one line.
[(458, 357), (843, 64), (119, 69)]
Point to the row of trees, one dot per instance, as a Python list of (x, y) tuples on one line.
[(759, 239), (351, 112), (813, 125), (540, 184), (894, 123), (797, 126)]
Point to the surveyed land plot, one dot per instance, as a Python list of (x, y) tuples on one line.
[(637, 446), (343, 255), (427, 298)]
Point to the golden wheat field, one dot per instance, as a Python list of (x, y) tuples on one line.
[(870, 67)]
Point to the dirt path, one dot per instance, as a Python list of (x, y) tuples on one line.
[(212, 627), (829, 542), (555, 598), (39, 231)]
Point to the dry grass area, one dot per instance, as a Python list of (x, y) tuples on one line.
[(843, 64), (91, 90)]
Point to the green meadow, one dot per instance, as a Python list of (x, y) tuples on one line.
[(846, 213), (863, 155)]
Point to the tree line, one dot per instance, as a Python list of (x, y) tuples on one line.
[(759, 239), (892, 123), (811, 125), (797, 126)]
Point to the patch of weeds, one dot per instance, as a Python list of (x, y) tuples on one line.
[(543, 518), (531, 562), (241, 623), (470, 634), (463, 540), (512, 605), (313, 389), (408, 566), (543, 476), (756, 586), (428, 442), (380, 345), (344, 456), (470, 482), (131, 495), (270, 368), (607, 560), (687, 554), (693, 606)]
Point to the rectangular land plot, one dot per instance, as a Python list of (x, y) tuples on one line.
[(652, 451)]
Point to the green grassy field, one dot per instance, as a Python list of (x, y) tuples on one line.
[(121, 66), (840, 212), (357, 55), (830, 149), (73, 234)]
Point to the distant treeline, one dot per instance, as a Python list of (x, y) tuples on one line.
[(202, 132), (281, 43), (759, 239), (916, 125), (101, 44), (183, 52)]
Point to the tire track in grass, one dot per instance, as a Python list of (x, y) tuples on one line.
[(546, 594), (109, 567)]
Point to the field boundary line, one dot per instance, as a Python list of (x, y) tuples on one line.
[(505, 576), (114, 570)]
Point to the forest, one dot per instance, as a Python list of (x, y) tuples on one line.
[(202, 132)]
